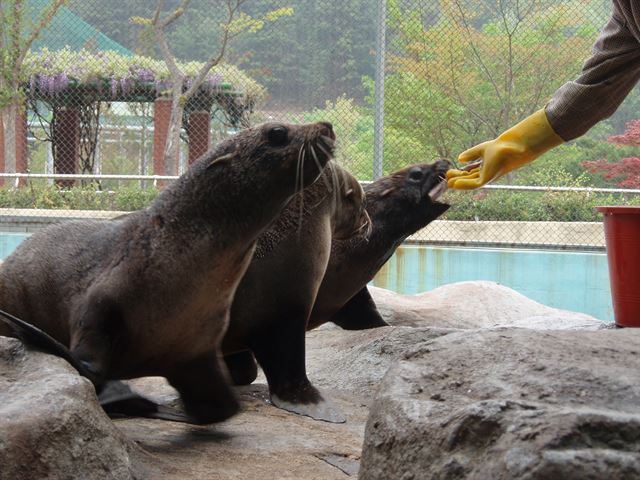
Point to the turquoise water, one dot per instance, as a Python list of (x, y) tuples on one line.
[(569, 280), (577, 281), (9, 242)]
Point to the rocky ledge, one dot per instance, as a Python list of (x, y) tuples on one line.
[(450, 390)]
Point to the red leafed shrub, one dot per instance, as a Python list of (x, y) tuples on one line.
[(627, 170), (631, 135)]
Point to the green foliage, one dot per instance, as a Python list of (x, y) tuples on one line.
[(77, 198), (486, 64), (501, 205), (20, 24), (354, 130), (421, 115)]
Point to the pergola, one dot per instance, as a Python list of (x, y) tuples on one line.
[(72, 97), (68, 76)]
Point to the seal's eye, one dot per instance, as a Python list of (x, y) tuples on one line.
[(415, 174), (277, 136)]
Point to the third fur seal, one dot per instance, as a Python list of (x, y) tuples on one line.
[(149, 293), (399, 205)]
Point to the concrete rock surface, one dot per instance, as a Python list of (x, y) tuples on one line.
[(541, 396), (509, 404), (476, 305), (51, 425), (355, 362)]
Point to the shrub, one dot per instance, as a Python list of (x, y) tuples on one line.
[(76, 198)]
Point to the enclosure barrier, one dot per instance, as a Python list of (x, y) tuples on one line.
[(577, 235)]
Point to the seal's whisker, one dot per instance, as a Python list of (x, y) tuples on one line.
[(323, 149), (320, 168), (336, 191), (302, 157), (298, 179)]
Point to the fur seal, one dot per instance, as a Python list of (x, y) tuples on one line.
[(149, 293), (272, 304), (399, 205)]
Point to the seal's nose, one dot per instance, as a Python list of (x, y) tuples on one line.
[(328, 130)]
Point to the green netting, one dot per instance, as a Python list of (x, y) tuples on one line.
[(69, 30)]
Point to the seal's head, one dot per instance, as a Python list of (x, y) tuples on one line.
[(407, 200), (351, 218), (256, 171), (278, 150)]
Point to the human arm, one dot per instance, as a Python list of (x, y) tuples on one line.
[(606, 79)]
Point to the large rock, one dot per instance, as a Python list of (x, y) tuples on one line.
[(51, 425), (355, 361), (510, 404), (476, 305)]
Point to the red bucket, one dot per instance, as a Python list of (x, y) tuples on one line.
[(622, 235)]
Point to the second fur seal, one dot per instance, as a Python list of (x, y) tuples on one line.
[(399, 205), (272, 305), (149, 293)]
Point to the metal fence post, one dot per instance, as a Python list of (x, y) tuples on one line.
[(378, 126)]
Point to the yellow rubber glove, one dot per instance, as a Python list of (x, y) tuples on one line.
[(514, 148)]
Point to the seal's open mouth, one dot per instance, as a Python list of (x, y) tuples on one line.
[(436, 192)]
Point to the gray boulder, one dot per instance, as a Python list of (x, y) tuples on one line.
[(509, 404), (355, 361), (51, 425), (485, 305)]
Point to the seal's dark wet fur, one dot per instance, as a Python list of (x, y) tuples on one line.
[(149, 293), (272, 305), (399, 205)]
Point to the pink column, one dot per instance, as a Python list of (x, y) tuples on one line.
[(67, 138), (199, 134), (21, 145)]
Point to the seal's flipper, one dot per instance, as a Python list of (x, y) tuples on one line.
[(242, 367), (280, 352), (34, 337), (118, 400), (322, 410), (202, 385), (359, 313)]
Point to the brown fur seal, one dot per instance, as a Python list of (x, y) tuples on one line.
[(150, 292), (399, 205), (272, 304)]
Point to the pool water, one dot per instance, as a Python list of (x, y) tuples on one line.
[(9, 242), (577, 281)]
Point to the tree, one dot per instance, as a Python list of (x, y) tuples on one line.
[(18, 31), (496, 60), (626, 171), (234, 23)]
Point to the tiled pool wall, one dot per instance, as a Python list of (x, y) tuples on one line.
[(577, 281)]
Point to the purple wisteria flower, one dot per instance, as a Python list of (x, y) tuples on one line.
[(62, 82), (159, 86), (144, 74), (126, 85), (215, 79)]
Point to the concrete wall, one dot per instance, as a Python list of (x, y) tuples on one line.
[(534, 234)]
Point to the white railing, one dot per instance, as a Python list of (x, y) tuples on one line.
[(157, 178)]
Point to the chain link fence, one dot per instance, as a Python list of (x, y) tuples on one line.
[(403, 82)]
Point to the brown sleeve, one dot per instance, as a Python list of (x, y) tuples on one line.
[(606, 79)]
